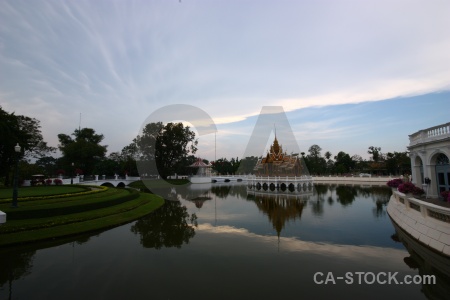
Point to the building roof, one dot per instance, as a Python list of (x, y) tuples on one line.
[(200, 164), (276, 157)]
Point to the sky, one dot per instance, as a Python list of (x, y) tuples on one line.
[(347, 74)]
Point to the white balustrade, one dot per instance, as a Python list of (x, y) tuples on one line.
[(432, 133)]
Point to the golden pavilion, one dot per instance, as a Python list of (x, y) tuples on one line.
[(278, 163)]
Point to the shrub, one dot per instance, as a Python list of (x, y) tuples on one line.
[(406, 187), (418, 191), (57, 181), (445, 195), (394, 183), (410, 188), (48, 181)]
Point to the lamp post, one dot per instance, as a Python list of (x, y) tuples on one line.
[(71, 174), (16, 176)]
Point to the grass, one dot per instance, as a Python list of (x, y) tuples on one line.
[(47, 219), (34, 191), (68, 205)]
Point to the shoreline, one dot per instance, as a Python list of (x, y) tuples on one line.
[(352, 180)]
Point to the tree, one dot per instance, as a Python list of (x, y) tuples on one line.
[(329, 162), (375, 152), (168, 145), (344, 162), (225, 167), (129, 156), (398, 163), (315, 163), (84, 150), (314, 151), (22, 130), (247, 165), (48, 164), (359, 162)]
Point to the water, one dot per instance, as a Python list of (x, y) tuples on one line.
[(231, 245)]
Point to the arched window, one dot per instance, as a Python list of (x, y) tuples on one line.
[(442, 159), (442, 172)]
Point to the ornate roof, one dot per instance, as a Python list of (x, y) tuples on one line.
[(285, 164)]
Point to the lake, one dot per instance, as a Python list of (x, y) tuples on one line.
[(331, 241)]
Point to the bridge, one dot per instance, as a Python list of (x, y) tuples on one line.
[(280, 183), (116, 181), (229, 178)]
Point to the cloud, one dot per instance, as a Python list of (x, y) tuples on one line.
[(118, 62), (291, 244)]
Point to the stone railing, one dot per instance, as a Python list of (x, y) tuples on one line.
[(281, 178), (426, 222), (426, 209), (430, 134)]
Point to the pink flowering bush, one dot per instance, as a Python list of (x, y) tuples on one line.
[(446, 195), (57, 181), (418, 191), (410, 188), (394, 183), (406, 188)]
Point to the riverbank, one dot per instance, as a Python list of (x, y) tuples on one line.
[(375, 180), (55, 216)]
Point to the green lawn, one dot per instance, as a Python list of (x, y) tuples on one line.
[(43, 218), (31, 191)]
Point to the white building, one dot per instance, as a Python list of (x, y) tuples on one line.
[(429, 152)]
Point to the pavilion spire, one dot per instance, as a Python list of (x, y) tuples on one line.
[(275, 130)]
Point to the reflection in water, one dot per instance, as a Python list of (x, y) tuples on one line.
[(169, 226), (428, 262), (14, 265), (17, 262), (221, 191), (282, 207), (278, 208), (224, 190), (346, 194), (200, 200), (332, 229)]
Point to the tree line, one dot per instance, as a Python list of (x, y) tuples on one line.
[(390, 163), (171, 146)]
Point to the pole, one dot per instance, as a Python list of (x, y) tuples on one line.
[(71, 175), (15, 185)]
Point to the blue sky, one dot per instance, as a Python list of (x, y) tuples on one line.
[(349, 74)]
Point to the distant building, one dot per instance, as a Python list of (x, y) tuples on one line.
[(429, 152), (278, 163)]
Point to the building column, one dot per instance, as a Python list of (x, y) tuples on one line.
[(430, 171)]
